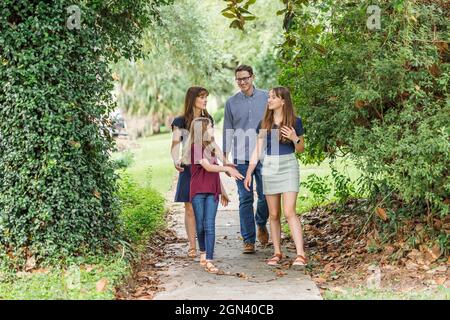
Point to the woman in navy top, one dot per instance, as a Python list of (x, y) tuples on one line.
[(280, 135), (194, 106)]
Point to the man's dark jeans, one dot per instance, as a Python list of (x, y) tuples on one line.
[(246, 215)]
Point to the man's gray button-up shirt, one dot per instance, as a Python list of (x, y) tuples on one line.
[(242, 115)]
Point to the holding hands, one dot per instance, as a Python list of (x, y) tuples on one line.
[(229, 164), (232, 172)]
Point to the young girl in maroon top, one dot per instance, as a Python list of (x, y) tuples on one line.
[(206, 188)]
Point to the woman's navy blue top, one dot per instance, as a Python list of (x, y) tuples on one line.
[(279, 147)]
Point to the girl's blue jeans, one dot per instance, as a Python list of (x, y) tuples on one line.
[(205, 210)]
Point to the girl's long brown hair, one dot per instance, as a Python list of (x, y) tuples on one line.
[(204, 139), (189, 104), (288, 113)]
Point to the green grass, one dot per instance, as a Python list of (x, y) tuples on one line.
[(73, 283), (153, 154), (344, 166), (439, 293)]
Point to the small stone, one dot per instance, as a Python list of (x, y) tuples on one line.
[(437, 269), (411, 265), (389, 250), (160, 264), (441, 269)]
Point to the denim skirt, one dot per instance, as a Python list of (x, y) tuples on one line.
[(280, 173), (183, 185)]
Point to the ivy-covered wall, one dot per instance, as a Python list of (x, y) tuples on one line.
[(57, 182)]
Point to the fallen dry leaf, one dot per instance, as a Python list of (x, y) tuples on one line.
[(88, 268), (320, 280), (147, 297), (115, 76), (414, 254), (440, 280), (41, 270), (280, 273), (389, 250), (139, 291), (101, 285), (30, 264), (435, 251), (434, 70), (338, 289), (411, 265), (242, 275), (382, 213), (359, 104), (437, 225), (328, 267), (442, 46)]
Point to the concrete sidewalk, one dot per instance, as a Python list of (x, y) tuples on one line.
[(246, 276)]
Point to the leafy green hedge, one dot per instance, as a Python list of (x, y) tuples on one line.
[(142, 214), (381, 95), (142, 210), (57, 182)]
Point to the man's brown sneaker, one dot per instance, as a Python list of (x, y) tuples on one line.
[(263, 235), (249, 248)]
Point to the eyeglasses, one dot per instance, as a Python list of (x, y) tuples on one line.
[(246, 79)]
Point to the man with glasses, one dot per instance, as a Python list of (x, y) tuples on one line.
[(243, 111)]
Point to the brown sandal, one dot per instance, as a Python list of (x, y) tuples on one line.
[(192, 253), (300, 261), (211, 268), (275, 260)]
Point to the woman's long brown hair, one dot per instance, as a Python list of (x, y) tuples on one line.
[(288, 113), (204, 139), (189, 104)]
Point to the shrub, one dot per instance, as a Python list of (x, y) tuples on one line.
[(343, 186), (319, 187), (57, 182), (125, 160), (142, 210), (380, 95)]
